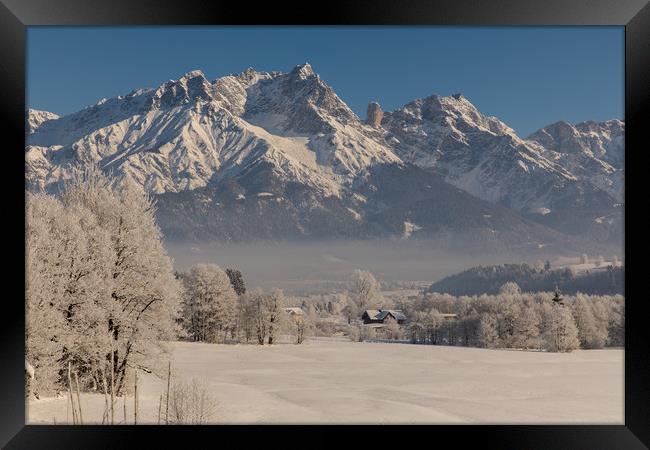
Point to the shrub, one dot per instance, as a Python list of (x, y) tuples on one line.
[(190, 403)]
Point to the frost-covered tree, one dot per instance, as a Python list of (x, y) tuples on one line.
[(259, 313), (510, 288), (509, 310), (246, 316), (64, 279), (208, 303), (592, 334), (143, 292), (560, 332), (527, 329), (274, 302), (584, 259), (487, 331), (311, 312), (300, 325), (338, 304), (616, 322), (469, 328), (101, 293), (351, 310), (364, 290)]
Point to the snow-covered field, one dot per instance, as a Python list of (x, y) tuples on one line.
[(335, 381)]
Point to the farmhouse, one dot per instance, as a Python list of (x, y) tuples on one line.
[(383, 316)]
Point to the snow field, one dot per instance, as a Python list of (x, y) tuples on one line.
[(336, 381)]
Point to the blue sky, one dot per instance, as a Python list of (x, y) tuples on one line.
[(528, 77)]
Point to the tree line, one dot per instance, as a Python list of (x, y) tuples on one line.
[(513, 319)]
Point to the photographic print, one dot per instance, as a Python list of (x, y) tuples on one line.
[(325, 225)]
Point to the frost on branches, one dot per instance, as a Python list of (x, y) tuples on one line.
[(101, 294)]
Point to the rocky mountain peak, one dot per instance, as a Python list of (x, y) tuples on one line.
[(189, 87), (192, 74), (560, 136), (251, 76), (585, 143), (303, 71), (374, 115), (36, 117)]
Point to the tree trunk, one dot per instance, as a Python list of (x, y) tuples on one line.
[(112, 384), (169, 376), (76, 380), (105, 417), (135, 397), (159, 408), (74, 412)]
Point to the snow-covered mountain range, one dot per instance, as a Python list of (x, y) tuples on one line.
[(281, 156)]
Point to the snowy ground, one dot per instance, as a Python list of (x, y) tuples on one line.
[(332, 381)]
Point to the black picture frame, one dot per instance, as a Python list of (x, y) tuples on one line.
[(16, 15)]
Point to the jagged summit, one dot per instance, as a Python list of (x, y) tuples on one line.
[(189, 87), (303, 71), (192, 74)]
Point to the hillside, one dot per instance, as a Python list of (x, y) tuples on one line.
[(488, 279)]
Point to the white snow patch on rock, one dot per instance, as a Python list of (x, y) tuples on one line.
[(409, 228), (355, 214)]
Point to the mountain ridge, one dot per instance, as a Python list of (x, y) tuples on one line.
[(193, 134)]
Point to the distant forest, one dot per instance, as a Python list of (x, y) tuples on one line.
[(488, 279)]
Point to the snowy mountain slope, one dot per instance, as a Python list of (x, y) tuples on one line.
[(391, 201), (285, 147), (182, 134), (483, 156), (592, 151), (36, 117)]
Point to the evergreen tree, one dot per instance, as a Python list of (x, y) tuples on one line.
[(236, 280)]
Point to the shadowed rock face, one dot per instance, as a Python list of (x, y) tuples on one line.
[(374, 115)]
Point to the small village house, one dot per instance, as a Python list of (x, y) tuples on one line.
[(383, 316)]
